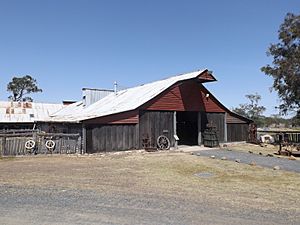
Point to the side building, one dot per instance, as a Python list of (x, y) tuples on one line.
[(23, 115)]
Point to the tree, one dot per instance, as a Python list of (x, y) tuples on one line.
[(251, 110), (296, 120), (21, 86), (286, 64)]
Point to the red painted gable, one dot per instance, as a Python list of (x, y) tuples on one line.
[(185, 96)]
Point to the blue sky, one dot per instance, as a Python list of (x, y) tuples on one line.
[(67, 45)]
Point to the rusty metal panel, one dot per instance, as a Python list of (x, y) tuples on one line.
[(26, 112)]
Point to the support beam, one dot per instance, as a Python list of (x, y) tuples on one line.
[(175, 130), (225, 128), (199, 129), (83, 151)]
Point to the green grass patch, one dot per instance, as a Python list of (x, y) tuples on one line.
[(7, 158)]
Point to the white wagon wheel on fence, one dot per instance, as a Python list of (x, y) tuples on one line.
[(50, 145), (30, 144)]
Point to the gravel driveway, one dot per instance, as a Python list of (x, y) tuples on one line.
[(247, 158), (76, 207)]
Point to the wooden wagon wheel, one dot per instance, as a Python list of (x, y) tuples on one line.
[(163, 142), (50, 145), (30, 144)]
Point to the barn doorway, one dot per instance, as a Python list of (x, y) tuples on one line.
[(187, 128)]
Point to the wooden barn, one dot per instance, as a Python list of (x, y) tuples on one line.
[(179, 107)]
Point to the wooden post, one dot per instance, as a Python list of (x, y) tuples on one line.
[(83, 151)]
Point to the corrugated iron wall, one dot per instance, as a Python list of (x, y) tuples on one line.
[(91, 95), (188, 96)]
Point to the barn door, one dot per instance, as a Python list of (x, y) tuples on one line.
[(217, 120), (187, 128)]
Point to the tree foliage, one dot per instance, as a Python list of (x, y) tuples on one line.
[(21, 86), (296, 120), (286, 64), (251, 110)]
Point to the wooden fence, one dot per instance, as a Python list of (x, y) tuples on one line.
[(288, 136), (15, 143)]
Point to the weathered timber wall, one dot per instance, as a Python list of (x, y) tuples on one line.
[(237, 132), (155, 123), (217, 120), (14, 144), (67, 128), (104, 138), (232, 118)]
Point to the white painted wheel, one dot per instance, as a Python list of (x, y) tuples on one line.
[(30, 144), (50, 144)]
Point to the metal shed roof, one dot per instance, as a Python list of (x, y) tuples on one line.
[(125, 100), (26, 112)]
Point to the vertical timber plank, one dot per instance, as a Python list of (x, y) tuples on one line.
[(2, 152), (137, 141)]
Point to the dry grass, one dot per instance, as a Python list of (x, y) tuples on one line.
[(171, 174)]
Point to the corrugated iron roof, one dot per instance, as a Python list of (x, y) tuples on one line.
[(125, 100), (26, 112)]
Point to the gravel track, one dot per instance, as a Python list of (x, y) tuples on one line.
[(247, 158), (57, 206)]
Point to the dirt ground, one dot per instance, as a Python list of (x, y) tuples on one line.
[(171, 175)]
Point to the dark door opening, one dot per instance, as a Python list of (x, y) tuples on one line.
[(187, 128)]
